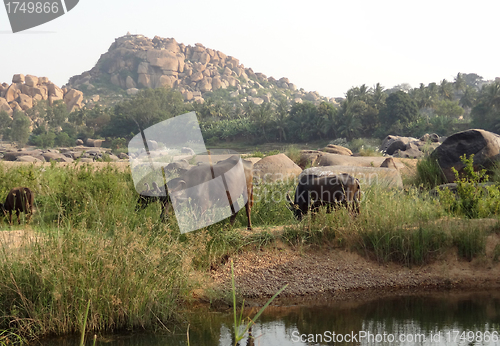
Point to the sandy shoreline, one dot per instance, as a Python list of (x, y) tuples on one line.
[(341, 273)]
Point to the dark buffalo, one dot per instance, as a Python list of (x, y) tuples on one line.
[(21, 200), (188, 187), (156, 194), (314, 191)]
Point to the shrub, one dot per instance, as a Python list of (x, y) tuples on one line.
[(474, 198)]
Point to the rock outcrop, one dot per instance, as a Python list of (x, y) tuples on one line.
[(24, 91), (483, 144), (409, 147), (134, 62)]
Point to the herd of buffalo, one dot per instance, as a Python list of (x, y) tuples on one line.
[(312, 191)]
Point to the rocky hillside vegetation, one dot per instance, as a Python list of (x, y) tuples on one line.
[(135, 62)]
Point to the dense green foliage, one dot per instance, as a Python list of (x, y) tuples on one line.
[(365, 112)]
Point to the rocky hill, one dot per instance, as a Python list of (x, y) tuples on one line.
[(134, 62), (24, 91)]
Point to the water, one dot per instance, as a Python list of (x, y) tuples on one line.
[(459, 318)]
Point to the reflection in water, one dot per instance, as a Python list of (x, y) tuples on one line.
[(424, 319)]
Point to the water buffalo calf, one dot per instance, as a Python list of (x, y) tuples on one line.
[(21, 200)]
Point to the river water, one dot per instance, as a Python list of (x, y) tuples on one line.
[(445, 318)]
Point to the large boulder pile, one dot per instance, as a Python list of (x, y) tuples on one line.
[(409, 147), (134, 62), (484, 145), (25, 91)]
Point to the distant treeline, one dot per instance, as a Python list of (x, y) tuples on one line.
[(365, 111)]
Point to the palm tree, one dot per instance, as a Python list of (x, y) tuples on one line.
[(468, 99), (460, 82), (349, 126), (378, 97), (445, 90), (491, 94)]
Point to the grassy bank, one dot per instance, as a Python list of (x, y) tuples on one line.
[(136, 271)]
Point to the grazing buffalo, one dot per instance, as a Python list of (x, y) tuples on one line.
[(156, 194), (21, 200), (225, 186), (314, 191)]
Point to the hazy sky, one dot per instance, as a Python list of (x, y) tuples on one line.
[(328, 46)]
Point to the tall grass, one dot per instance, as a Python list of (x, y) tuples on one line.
[(393, 226), (429, 174), (92, 247)]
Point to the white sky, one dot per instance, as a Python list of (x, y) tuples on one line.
[(328, 46)]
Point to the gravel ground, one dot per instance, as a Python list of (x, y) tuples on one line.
[(313, 271)]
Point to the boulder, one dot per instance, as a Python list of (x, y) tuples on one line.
[(28, 158), (54, 90), (337, 149), (187, 151), (4, 106), (410, 153), (31, 81), (14, 155), (385, 177), (318, 158), (18, 78), (390, 139), (49, 156), (73, 99), (93, 142), (13, 92), (434, 138), (275, 168), (25, 102), (389, 163), (394, 146), (86, 160), (483, 144), (152, 145), (79, 142), (309, 158)]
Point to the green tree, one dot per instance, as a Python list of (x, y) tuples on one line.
[(449, 109), (146, 108), (62, 139), (469, 97), (44, 140), (460, 84), (472, 80), (5, 124), (486, 112), (349, 126), (446, 90), (20, 130), (400, 108), (57, 114), (304, 123)]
